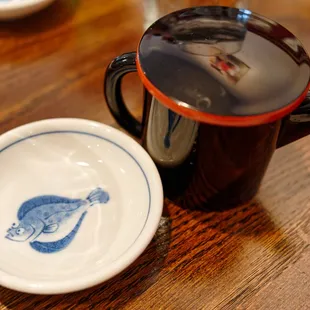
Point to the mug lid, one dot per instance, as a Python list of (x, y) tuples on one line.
[(223, 66)]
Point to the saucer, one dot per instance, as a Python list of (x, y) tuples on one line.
[(80, 201), (12, 9)]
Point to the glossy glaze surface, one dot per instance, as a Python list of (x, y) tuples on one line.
[(194, 119), (223, 61), (77, 243), (207, 166)]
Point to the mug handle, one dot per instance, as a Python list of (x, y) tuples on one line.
[(115, 72), (297, 124), (302, 113)]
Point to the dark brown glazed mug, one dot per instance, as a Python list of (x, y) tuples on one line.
[(220, 85)]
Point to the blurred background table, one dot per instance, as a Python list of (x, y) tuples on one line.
[(52, 65)]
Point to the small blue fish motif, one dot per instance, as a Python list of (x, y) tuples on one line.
[(46, 214)]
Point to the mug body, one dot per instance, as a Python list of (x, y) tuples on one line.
[(203, 165), (218, 86)]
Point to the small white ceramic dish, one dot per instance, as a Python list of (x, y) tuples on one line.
[(12, 9), (85, 200)]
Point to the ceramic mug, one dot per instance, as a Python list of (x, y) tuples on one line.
[(220, 84)]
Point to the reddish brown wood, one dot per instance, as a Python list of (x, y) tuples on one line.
[(52, 65)]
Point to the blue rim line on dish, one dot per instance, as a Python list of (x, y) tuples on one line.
[(102, 138)]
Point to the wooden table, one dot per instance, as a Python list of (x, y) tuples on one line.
[(255, 256)]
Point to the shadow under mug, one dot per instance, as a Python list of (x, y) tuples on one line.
[(201, 165)]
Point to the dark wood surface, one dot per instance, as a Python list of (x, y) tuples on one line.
[(255, 256)]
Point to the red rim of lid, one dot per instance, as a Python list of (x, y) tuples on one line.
[(233, 121)]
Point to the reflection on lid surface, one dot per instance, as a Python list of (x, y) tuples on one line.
[(224, 61)]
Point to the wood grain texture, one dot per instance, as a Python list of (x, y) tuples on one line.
[(52, 65), (215, 260)]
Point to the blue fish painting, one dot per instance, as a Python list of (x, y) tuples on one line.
[(47, 214)]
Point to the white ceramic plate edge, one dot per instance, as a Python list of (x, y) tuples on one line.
[(17, 9), (150, 228)]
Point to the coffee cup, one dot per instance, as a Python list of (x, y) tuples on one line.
[(220, 85)]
